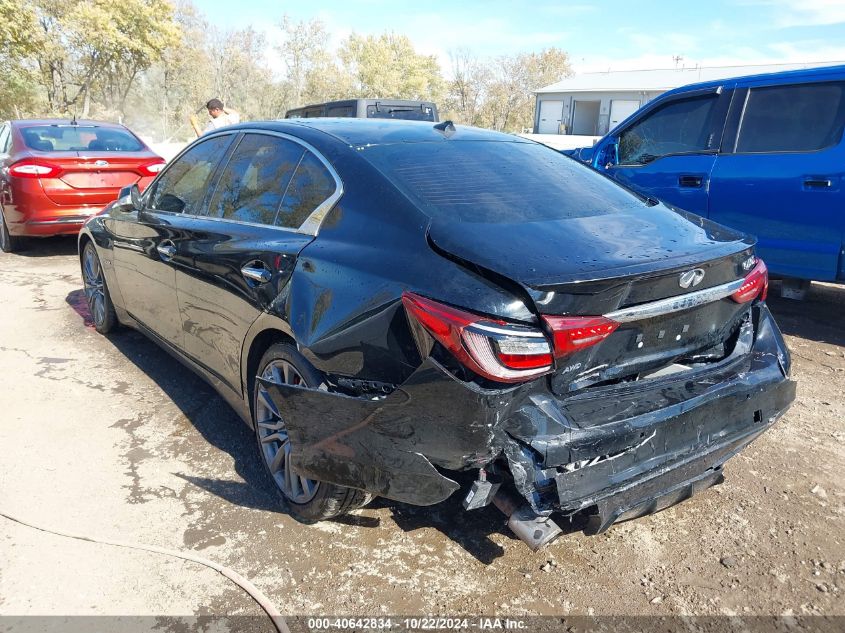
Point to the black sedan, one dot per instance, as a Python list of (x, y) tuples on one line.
[(388, 302)]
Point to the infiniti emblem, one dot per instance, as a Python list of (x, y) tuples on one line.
[(101, 163), (691, 278)]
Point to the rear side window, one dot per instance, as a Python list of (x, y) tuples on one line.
[(182, 187), (310, 187), (79, 138), (254, 181), (676, 128), (797, 118)]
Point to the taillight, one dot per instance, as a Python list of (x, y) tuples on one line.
[(496, 350), (571, 334), (31, 168), (756, 284), (151, 168)]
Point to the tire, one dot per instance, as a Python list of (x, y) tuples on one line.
[(97, 291), (307, 501), (8, 243)]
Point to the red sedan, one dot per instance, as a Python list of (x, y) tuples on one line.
[(55, 174)]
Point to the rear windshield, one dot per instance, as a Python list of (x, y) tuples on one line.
[(408, 113), (78, 138), (496, 182)]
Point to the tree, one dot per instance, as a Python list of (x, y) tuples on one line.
[(388, 66), (80, 43), (18, 84), (509, 103), (467, 89)]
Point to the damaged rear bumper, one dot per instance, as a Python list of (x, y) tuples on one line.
[(617, 452)]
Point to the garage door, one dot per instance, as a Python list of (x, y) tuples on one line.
[(550, 116), (621, 109)]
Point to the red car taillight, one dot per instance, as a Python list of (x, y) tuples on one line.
[(756, 285), (571, 334), (152, 168), (499, 351), (31, 168)]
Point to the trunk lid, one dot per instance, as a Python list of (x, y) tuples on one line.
[(608, 264), (93, 178)]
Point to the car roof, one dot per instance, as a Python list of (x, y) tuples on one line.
[(362, 132), (783, 76), (66, 122)]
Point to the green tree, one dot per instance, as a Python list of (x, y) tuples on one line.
[(388, 66), (83, 46), (18, 43)]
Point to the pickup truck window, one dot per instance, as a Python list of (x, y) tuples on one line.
[(796, 118), (678, 127)]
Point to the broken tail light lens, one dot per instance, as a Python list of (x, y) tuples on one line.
[(756, 284), (572, 334), (152, 168), (496, 350), (30, 168)]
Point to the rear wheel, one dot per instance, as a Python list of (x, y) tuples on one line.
[(8, 243), (96, 291), (308, 500)]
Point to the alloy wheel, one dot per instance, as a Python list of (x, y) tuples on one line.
[(273, 437), (92, 277)]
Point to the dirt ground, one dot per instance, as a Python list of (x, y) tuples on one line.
[(112, 438)]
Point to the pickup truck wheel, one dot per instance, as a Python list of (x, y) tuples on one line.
[(307, 500)]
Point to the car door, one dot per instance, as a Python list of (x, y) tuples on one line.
[(147, 240), (781, 176), (237, 259), (669, 151)]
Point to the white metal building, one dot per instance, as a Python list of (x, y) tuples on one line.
[(591, 104)]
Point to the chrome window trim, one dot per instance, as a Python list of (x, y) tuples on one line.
[(311, 225), (675, 304)]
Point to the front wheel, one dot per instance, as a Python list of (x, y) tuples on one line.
[(308, 501), (96, 291)]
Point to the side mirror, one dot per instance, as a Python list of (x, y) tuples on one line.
[(585, 154), (129, 199), (606, 154)]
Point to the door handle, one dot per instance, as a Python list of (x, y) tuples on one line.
[(818, 183), (690, 181), (167, 250), (255, 271)]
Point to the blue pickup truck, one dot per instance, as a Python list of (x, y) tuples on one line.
[(764, 154)]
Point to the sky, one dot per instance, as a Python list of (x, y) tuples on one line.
[(599, 36)]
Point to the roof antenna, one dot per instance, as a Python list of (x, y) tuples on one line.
[(447, 127), (73, 120)]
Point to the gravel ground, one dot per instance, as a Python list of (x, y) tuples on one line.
[(112, 438)]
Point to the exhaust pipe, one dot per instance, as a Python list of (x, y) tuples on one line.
[(532, 529)]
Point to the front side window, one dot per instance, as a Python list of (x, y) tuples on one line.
[(255, 179), (678, 127), (183, 186), (797, 118)]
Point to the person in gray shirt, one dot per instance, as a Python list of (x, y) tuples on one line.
[(220, 117)]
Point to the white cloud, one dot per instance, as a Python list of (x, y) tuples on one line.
[(793, 13)]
